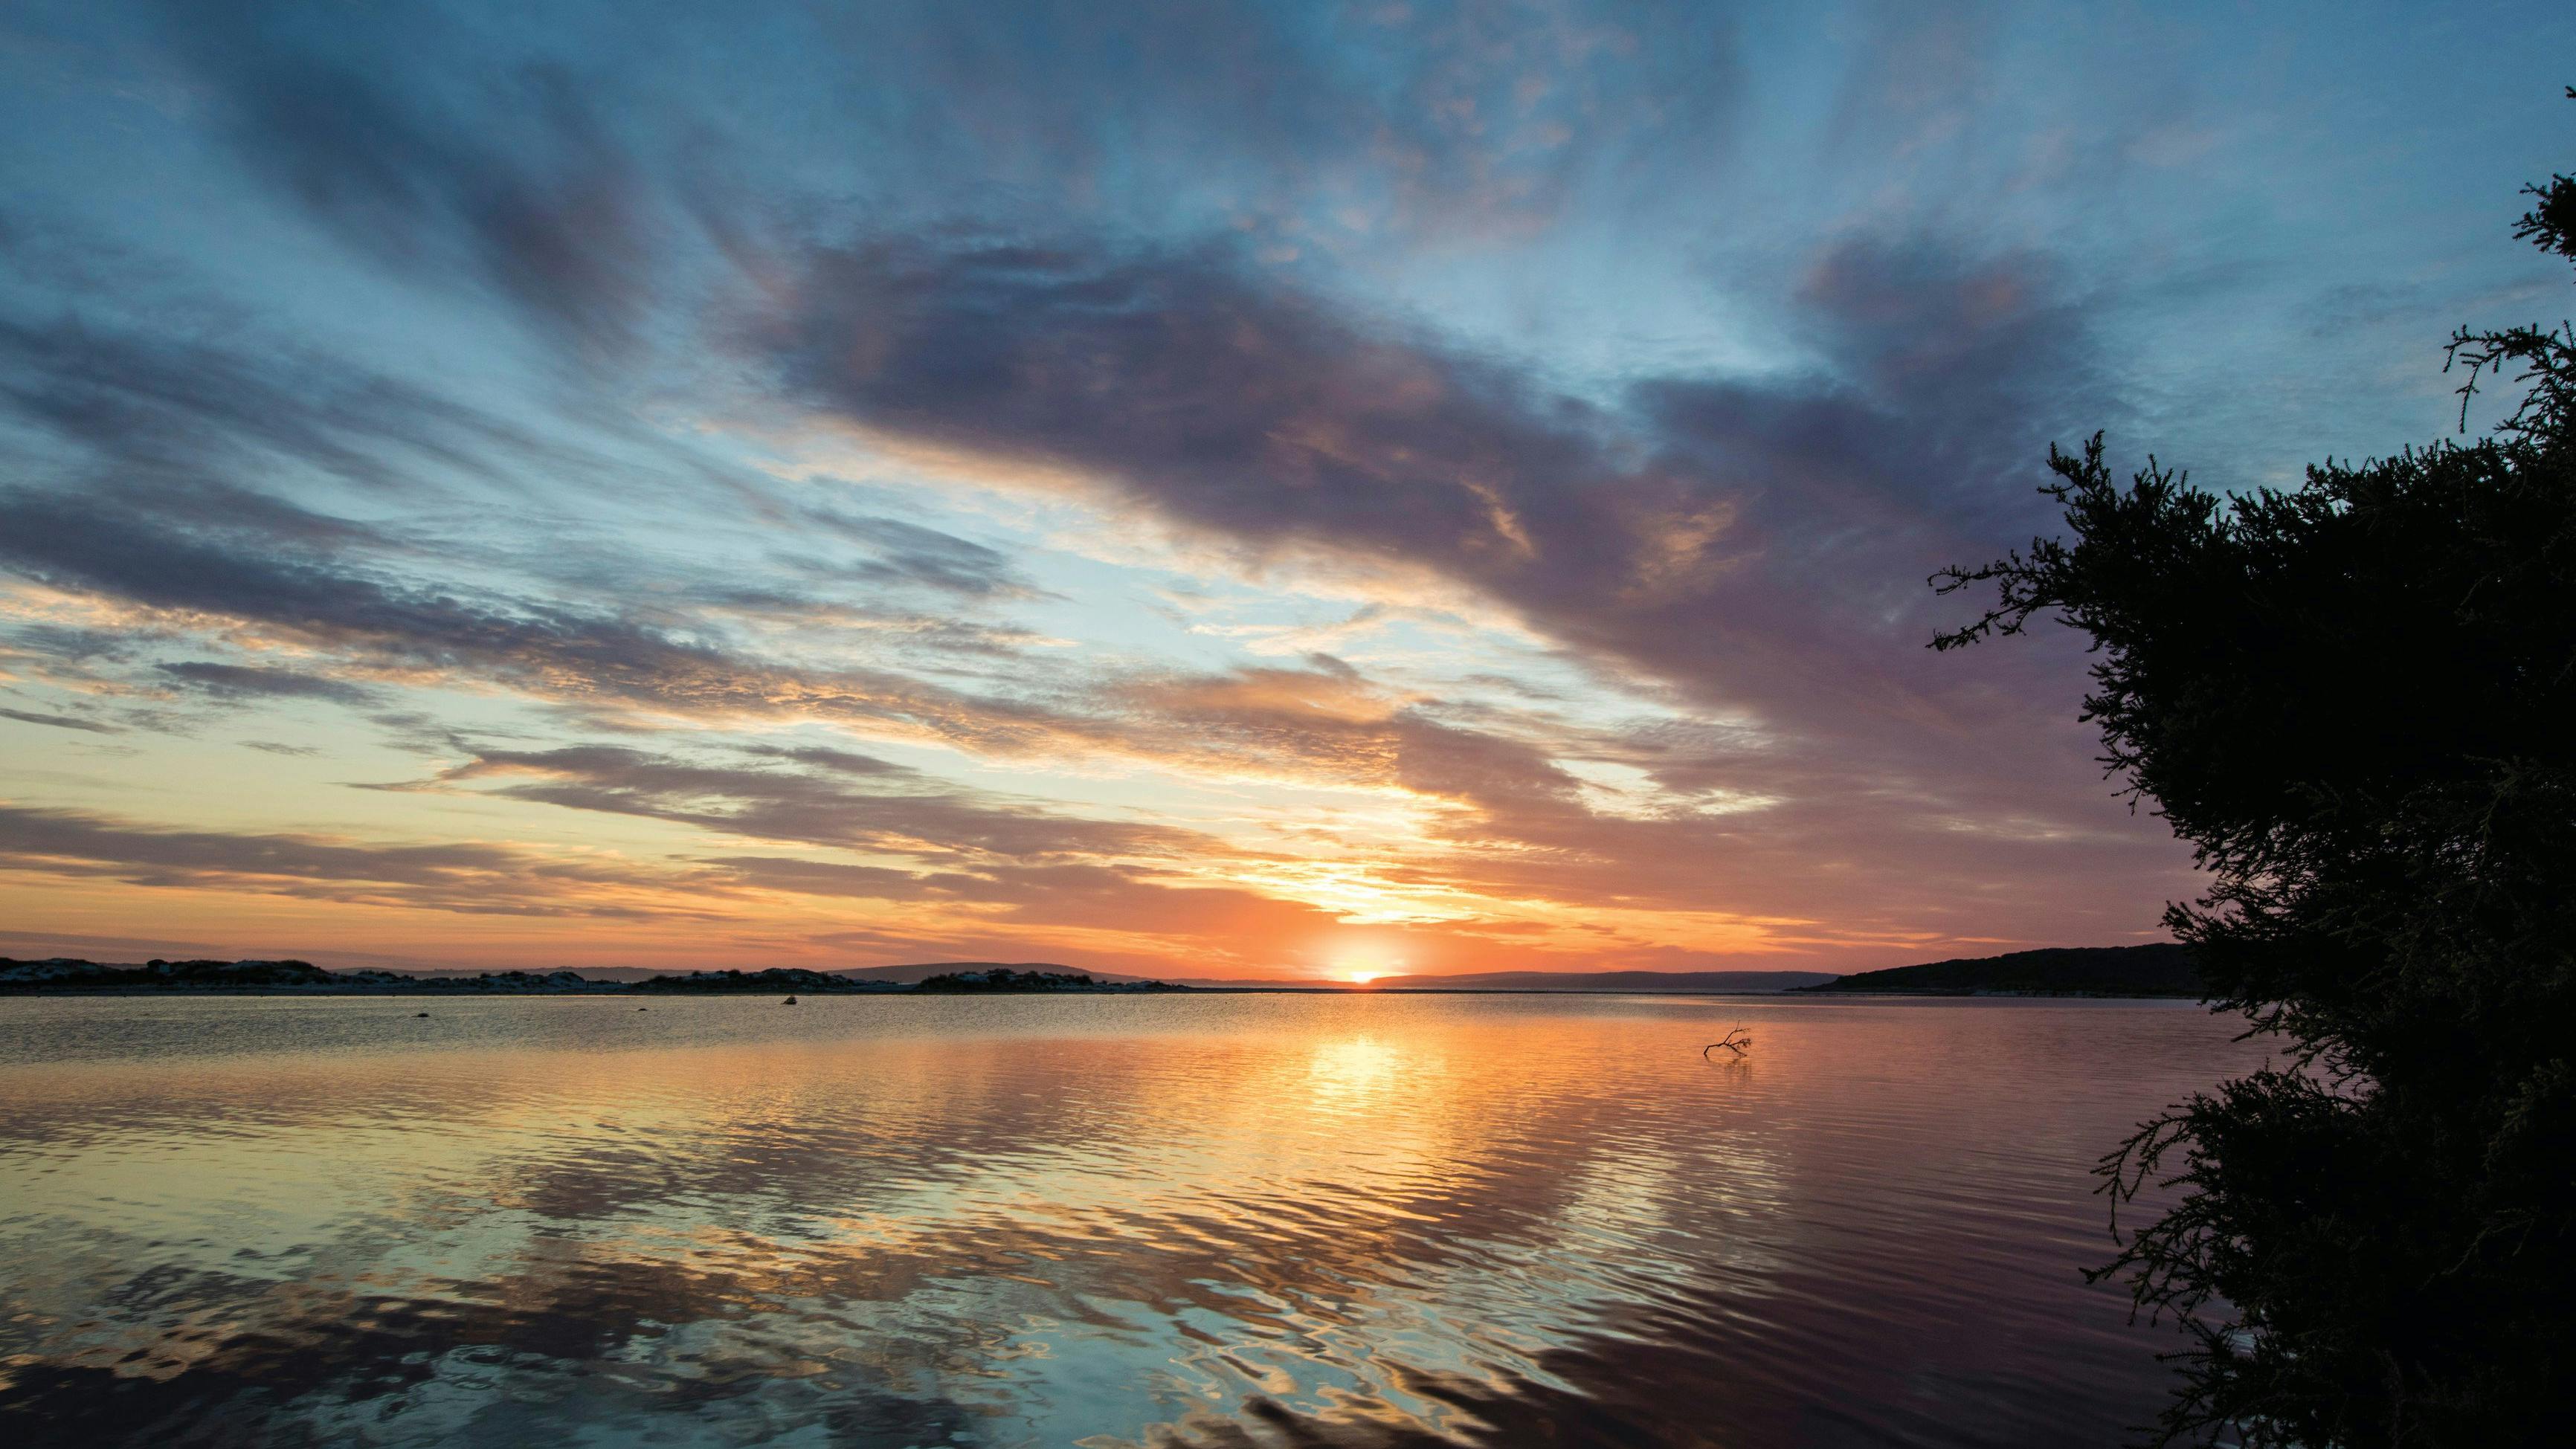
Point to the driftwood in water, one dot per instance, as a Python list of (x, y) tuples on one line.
[(1737, 1040)]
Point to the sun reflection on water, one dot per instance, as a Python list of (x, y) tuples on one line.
[(1353, 1068), (1344, 1219)]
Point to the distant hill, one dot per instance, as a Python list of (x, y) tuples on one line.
[(2161, 969), (1678, 981)]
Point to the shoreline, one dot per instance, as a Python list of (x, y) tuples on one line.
[(623, 989)]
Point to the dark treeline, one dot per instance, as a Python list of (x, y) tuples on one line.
[(60, 975), (2357, 700)]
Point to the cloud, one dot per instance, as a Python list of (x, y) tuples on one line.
[(1129, 899), (1748, 544), (1235, 406), (181, 421), (272, 747), (1510, 823), (1434, 120), (465, 877), (1328, 724), (1758, 545), (822, 877), (1167, 262), (227, 571), (60, 721), (908, 553), (235, 567), (1119, 899), (516, 184), (842, 762), (1006, 861), (854, 803), (242, 681), (171, 490), (304, 579), (1755, 545)]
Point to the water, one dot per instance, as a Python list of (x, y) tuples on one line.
[(1230, 1220)]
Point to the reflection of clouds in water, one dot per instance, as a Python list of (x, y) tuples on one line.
[(1370, 1217)]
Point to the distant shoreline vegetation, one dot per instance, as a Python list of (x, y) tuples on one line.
[(2162, 970), (69, 977)]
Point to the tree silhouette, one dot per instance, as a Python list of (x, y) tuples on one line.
[(2357, 700)]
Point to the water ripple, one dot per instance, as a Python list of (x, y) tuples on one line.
[(1162, 1221)]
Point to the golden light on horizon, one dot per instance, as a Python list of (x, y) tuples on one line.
[(1362, 972)]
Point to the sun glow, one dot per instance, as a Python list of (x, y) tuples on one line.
[(1361, 973)]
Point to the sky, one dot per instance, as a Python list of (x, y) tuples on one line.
[(1207, 489)]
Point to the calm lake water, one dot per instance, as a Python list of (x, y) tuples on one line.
[(1228, 1220)]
